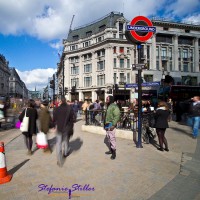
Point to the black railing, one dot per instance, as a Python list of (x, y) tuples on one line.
[(127, 121)]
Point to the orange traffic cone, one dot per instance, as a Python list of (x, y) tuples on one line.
[(4, 176)]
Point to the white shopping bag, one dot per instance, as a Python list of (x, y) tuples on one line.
[(41, 140)]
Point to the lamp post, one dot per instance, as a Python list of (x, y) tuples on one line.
[(163, 83)]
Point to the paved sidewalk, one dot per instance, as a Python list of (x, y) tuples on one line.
[(136, 174)]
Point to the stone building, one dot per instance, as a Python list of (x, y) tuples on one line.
[(97, 59), (4, 76), (17, 88)]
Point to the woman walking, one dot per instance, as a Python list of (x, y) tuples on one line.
[(45, 121), (31, 112), (161, 123)]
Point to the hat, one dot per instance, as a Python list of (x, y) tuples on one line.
[(45, 103)]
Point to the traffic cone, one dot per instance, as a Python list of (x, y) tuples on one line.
[(4, 176)]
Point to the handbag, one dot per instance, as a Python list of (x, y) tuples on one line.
[(17, 125), (25, 123), (41, 140)]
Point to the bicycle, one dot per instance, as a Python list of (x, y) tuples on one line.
[(147, 131)]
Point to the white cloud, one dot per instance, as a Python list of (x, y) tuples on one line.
[(182, 8), (49, 20), (195, 19), (36, 78)]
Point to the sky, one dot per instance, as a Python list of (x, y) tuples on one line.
[(32, 31)]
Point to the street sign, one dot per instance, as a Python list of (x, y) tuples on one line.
[(146, 84), (139, 66), (137, 29)]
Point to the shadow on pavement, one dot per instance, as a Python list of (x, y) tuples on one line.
[(17, 167), (185, 132), (76, 144)]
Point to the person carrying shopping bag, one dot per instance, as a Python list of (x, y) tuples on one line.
[(44, 122), (31, 114)]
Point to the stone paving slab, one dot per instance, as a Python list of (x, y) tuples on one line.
[(136, 174)]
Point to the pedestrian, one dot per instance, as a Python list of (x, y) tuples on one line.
[(45, 122), (31, 112), (161, 123), (76, 108), (63, 118), (111, 119), (194, 115), (84, 109)]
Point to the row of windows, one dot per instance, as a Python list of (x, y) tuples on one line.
[(169, 39), (101, 66), (100, 80)]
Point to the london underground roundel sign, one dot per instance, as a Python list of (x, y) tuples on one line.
[(141, 29)]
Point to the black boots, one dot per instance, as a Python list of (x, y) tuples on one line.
[(113, 154), (108, 152)]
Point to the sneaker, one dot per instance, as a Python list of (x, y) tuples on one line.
[(68, 153)]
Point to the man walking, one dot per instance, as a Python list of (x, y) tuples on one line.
[(64, 121), (194, 114), (111, 119)]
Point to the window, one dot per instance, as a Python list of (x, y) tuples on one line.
[(157, 65), (128, 50), (148, 78), (128, 63), (120, 26), (170, 66), (179, 54), (102, 28), (75, 37), (128, 78), (115, 62), (148, 52), (185, 67), (114, 49), (73, 47), (165, 28), (87, 81), (164, 39), (100, 65), (115, 78), (101, 80), (164, 52), (121, 36), (74, 59), (157, 52), (74, 70), (88, 68), (121, 63), (87, 56), (185, 40), (121, 50), (88, 34), (121, 77), (170, 53), (185, 53), (75, 82)]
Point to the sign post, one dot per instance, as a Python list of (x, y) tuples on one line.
[(139, 31)]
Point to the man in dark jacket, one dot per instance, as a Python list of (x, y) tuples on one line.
[(194, 114), (64, 121)]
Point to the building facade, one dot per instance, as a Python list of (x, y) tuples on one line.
[(97, 58), (17, 88), (4, 76)]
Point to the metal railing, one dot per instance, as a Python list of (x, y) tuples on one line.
[(128, 120)]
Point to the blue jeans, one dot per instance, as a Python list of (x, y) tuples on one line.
[(62, 145), (195, 126)]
